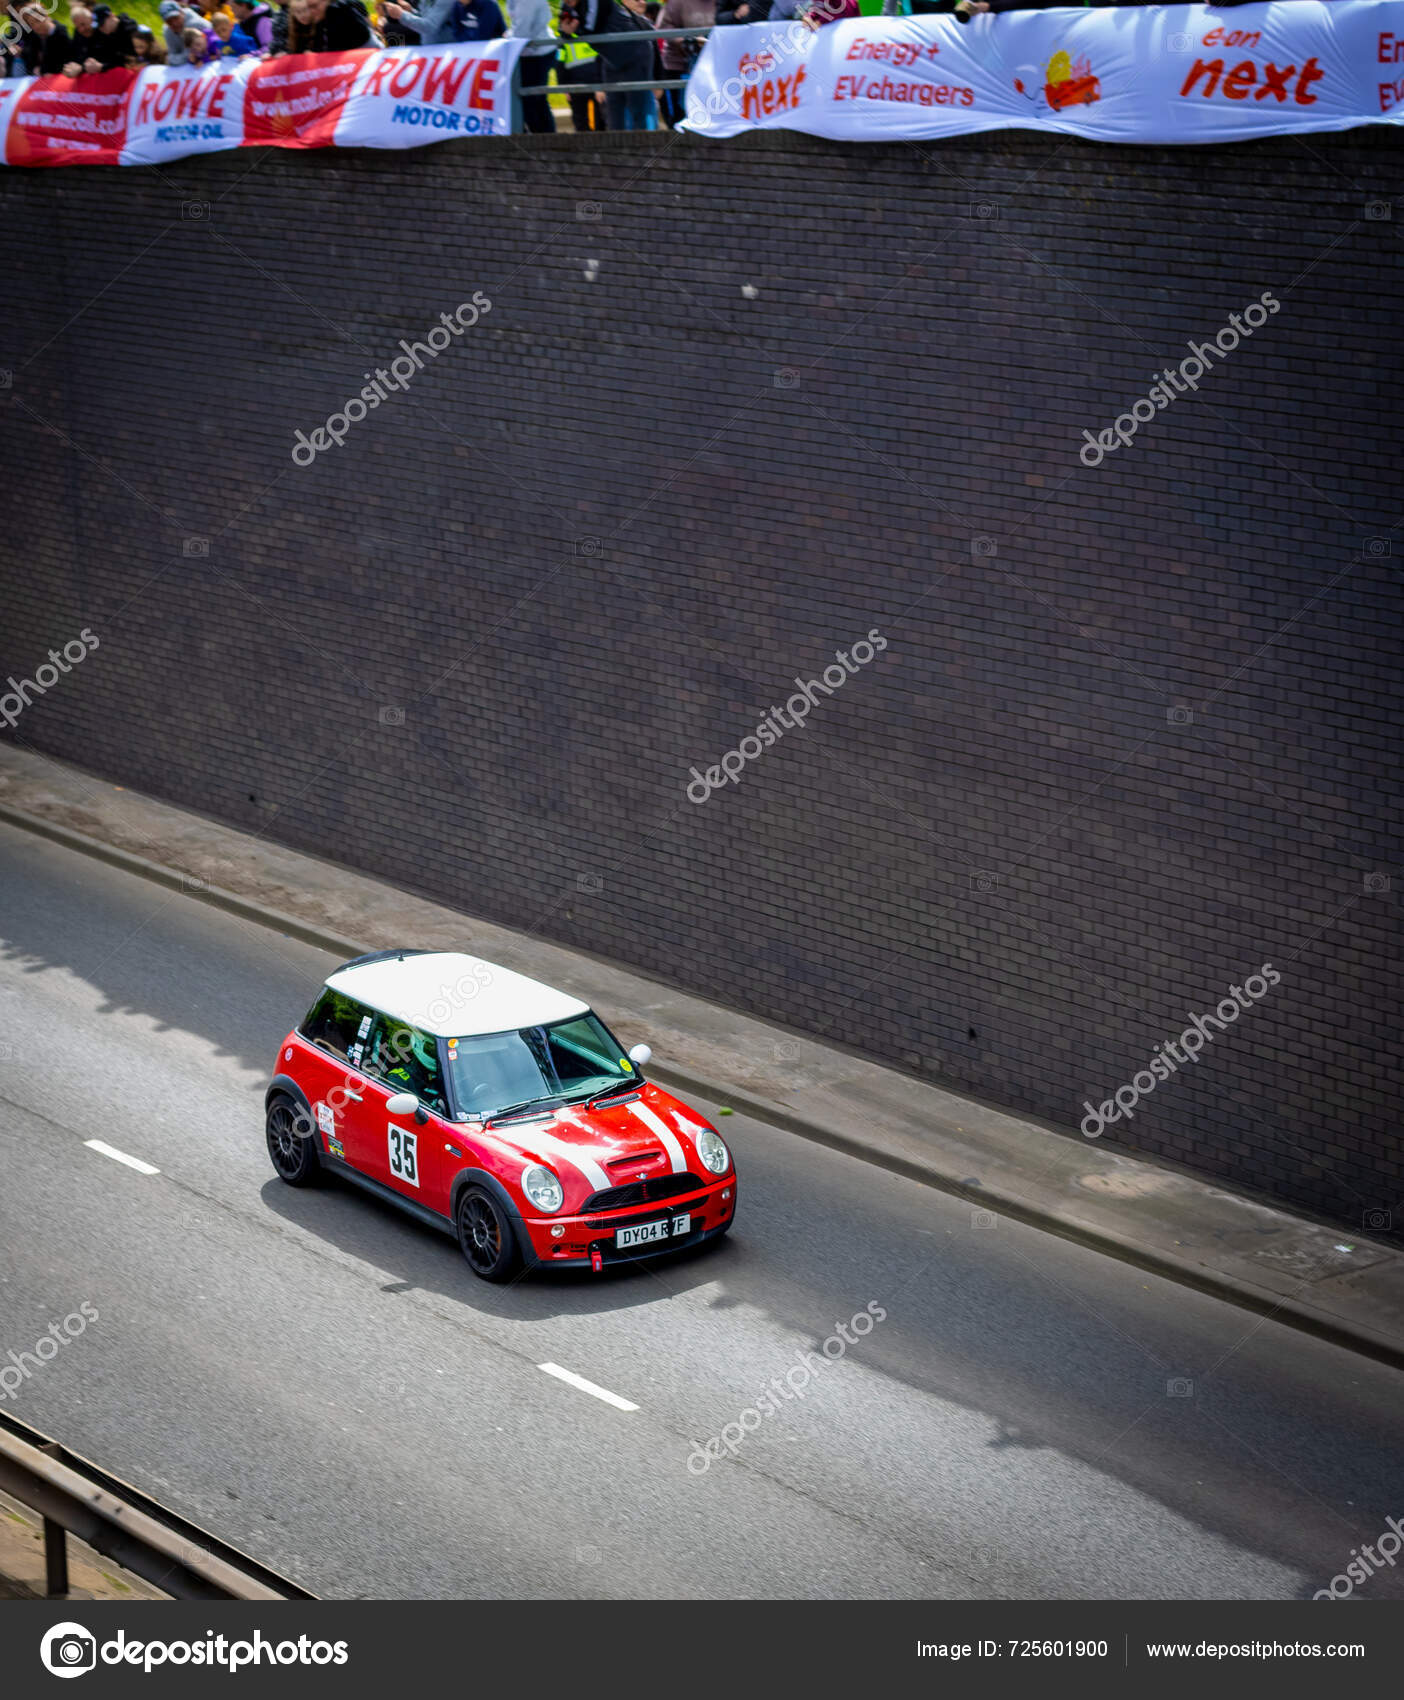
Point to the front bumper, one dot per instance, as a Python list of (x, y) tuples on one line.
[(711, 1209)]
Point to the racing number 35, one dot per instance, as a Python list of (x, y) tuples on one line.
[(402, 1155)]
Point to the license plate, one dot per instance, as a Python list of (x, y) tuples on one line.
[(647, 1232)]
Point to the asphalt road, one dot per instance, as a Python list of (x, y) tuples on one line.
[(325, 1384)]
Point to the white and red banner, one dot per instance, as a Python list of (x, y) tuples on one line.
[(398, 97), (1120, 74)]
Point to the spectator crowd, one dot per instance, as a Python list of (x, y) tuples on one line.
[(34, 43), (196, 32)]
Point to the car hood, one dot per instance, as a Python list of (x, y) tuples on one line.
[(646, 1137)]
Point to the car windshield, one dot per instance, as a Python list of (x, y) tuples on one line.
[(535, 1066)]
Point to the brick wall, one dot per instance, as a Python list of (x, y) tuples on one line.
[(1136, 729)]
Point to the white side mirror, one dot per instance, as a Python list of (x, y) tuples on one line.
[(640, 1054), (402, 1104)]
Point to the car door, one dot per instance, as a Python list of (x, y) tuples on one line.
[(329, 1073), (401, 1153)]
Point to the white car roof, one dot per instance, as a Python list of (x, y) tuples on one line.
[(453, 995)]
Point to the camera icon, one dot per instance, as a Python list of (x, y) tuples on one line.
[(1179, 42), (983, 548), (391, 716), (68, 1650), (590, 884), (194, 548), (1375, 549), (1179, 716), (1377, 1221), (786, 378), (983, 884), (196, 211), (588, 211), (1377, 883), (983, 1219), (1179, 1387), (590, 547), (192, 882), (984, 209), (1379, 212), (7, 378)]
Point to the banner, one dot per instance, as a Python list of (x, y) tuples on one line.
[(397, 97), (1187, 73)]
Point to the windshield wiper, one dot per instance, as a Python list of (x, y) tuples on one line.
[(614, 1086), (526, 1104)]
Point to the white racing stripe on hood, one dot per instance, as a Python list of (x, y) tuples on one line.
[(598, 1179), (655, 1124), (540, 1140)]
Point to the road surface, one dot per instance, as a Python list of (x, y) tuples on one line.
[(324, 1383)]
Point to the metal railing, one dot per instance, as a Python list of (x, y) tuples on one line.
[(699, 32), (74, 1496)]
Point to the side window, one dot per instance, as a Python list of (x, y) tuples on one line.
[(338, 1024), (407, 1060)]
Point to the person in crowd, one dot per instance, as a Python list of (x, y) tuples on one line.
[(176, 19), (83, 53), (112, 41), (391, 31), (256, 21), (146, 50), (45, 47), (680, 56), (817, 13), (443, 21), (321, 26), (531, 19), (624, 61), (579, 63), (197, 47), (227, 40)]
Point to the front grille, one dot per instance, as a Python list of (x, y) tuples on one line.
[(642, 1192)]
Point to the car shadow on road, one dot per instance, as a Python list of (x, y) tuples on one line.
[(422, 1260)]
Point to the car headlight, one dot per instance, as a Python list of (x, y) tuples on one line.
[(711, 1148), (543, 1189)]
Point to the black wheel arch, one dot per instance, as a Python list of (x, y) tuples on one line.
[(467, 1179), (284, 1086)]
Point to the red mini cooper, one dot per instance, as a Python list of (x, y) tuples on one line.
[(498, 1110)]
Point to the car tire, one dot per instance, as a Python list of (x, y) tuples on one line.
[(291, 1145), (486, 1236)]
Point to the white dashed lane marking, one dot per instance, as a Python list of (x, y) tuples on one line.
[(571, 1379), (121, 1157)]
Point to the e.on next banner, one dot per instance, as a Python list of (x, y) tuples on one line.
[(1119, 74)]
